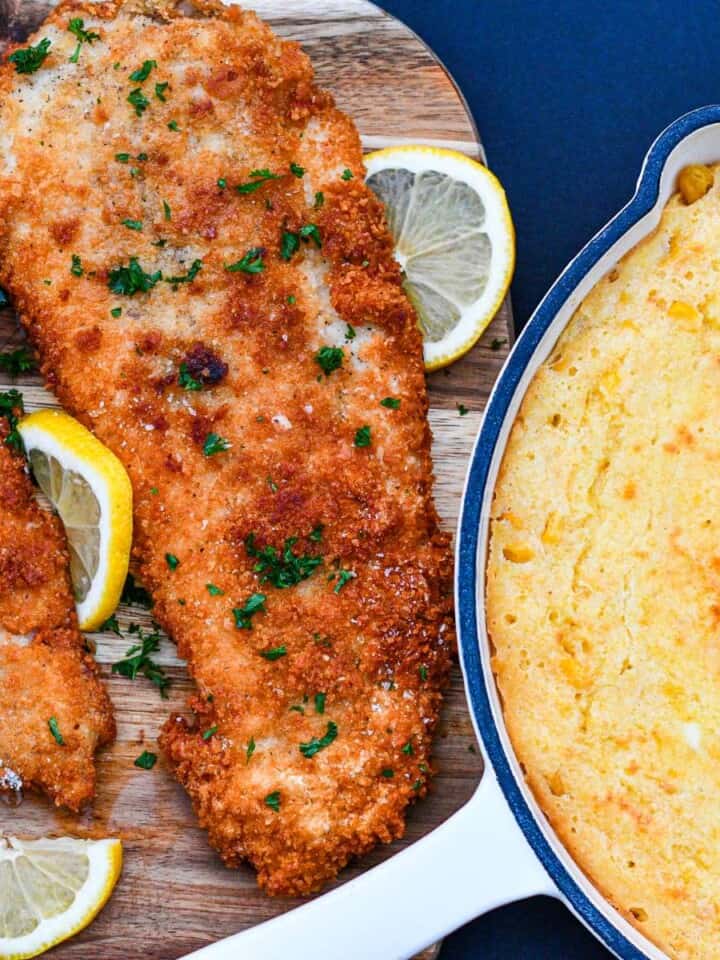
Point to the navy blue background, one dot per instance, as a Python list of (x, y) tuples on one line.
[(567, 96)]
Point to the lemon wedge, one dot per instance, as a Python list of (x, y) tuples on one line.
[(454, 239), (51, 889), (89, 488)]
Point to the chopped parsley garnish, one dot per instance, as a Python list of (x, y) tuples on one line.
[(274, 653), (132, 279), (159, 243), (76, 268), (214, 443), (111, 625), (160, 89), (250, 749), (319, 199), (10, 402), (188, 277), (172, 561), (362, 437), (296, 708), (297, 170), (392, 403), (139, 101), (496, 344), (214, 591), (122, 157), (167, 212), (316, 745), (143, 72), (272, 800), (186, 380), (417, 785), (138, 660), (291, 299), (154, 491), (77, 28), (252, 262), (30, 59), (347, 174), (55, 731), (173, 125), (329, 359), (462, 409), (222, 183), (115, 312), (209, 733), (258, 178), (281, 569), (345, 576), (388, 773), (243, 615), (16, 361), (423, 672), (289, 244), (146, 760), (141, 157), (316, 533), (408, 749), (320, 702), (135, 595), (350, 333), (273, 486), (311, 232), (132, 224)]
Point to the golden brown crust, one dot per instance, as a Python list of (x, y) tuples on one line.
[(44, 669), (603, 582), (377, 646)]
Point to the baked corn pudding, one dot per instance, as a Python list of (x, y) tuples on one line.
[(603, 580)]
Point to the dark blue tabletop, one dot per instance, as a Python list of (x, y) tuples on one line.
[(567, 96)]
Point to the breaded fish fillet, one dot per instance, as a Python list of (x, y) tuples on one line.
[(54, 711), (188, 239)]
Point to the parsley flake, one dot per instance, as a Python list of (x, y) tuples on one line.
[(186, 380), (16, 361), (297, 170), (210, 733), (132, 224), (250, 749), (30, 59), (272, 800), (243, 615), (135, 595), (392, 403), (172, 561), (122, 157), (142, 73), (146, 760), (138, 660), (311, 232), (132, 279), (320, 702), (138, 100), (76, 268), (319, 199), (281, 568), (345, 576), (408, 749), (115, 312), (316, 533), (329, 359), (423, 672), (347, 174), (11, 404), (317, 744), (289, 244), (462, 409), (214, 591), (160, 89), (496, 344), (214, 443), (274, 653), (166, 210), (173, 125), (350, 333), (188, 277), (252, 262), (258, 178), (55, 731), (77, 28), (111, 625), (362, 437), (222, 183), (387, 773), (273, 486), (290, 300)]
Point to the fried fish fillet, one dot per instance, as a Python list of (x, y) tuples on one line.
[(50, 690), (212, 289)]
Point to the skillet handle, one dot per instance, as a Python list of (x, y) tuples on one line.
[(475, 861)]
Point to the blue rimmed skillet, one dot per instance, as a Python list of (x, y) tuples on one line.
[(499, 847)]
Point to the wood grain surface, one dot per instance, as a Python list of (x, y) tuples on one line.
[(174, 895)]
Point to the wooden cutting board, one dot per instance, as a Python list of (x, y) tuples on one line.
[(174, 895)]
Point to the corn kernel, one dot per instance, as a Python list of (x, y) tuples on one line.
[(687, 316), (518, 553), (694, 182)]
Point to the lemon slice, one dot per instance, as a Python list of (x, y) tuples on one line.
[(51, 889), (89, 488), (454, 239)]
